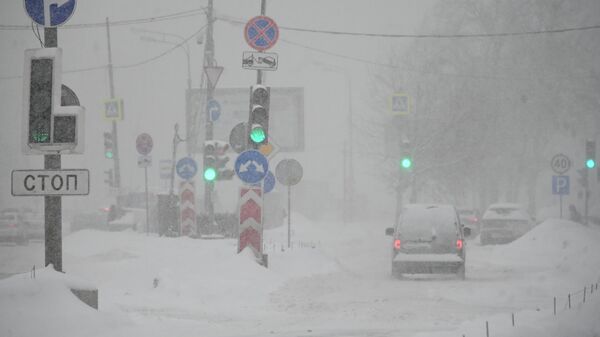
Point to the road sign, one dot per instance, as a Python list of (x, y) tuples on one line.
[(560, 164), (187, 208), (254, 60), (144, 143), (269, 182), (261, 32), (251, 217), (400, 104), (238, 138), (144, 161), (164, 166), (251, 166), (560, 185), (50, 182), (214, 109), (49, 13), (213, 74), (289, 172), (186, 168), (113, 109)]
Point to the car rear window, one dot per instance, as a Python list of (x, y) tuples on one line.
[(422, 223)]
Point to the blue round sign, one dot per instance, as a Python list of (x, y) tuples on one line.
[(186, 168), (214, 109), (269, 182), (261, 32), (58, 11), (251, 166)]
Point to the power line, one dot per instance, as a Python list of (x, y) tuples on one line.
[(424, 36), (125, 66), (166, 17)]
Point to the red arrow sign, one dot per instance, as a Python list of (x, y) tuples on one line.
[(250, 210), (249, 237)]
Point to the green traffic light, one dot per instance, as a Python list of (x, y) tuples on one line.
[(590, 163), (258, 135), (406, 163), (210, 174), (109, 154)]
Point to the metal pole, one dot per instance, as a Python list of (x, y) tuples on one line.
[(263, 11), (117, 182), (52, 204), (561, 205), (209, 61), (345, 183), (146, 186), (289, 215), (350, 153)]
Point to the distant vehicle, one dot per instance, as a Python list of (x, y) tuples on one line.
[(470, 218), (12, 227), (504, 223), (428, 239)]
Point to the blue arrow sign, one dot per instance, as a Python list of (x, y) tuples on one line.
[(560, 185), (214, 109), (251, 166), (269, 182), (186, 168), (49, 13)]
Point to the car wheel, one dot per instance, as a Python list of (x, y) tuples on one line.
[(461, 272)]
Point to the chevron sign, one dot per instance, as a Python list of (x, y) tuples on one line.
[(250, 216), (187, 208)]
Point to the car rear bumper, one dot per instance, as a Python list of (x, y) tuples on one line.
[(427, 263)]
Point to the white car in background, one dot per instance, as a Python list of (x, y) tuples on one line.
[(504, 223)]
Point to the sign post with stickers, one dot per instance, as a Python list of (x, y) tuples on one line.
[(144, 144)]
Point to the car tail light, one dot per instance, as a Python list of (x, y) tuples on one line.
[(459, 244), (12, 225), (397, 244), (105, 209), (473, 219)]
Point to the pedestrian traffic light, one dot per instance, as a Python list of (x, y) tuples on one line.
[(215, 160), (108, 145), (590, 154), (109, 178), (258, 123), (406, 162)]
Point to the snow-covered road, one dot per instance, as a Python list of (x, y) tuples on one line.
[(335, 282)]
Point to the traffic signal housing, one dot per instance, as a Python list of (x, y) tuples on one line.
[(590, 154), (109, 145), (215, 161), (582, 179), (258, 122)]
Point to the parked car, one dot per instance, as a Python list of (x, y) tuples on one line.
[(469, 217), (504, 223), (428, 239), (12, 227)]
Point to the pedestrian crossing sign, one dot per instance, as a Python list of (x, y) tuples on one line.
[(113, 109), (400, 104)]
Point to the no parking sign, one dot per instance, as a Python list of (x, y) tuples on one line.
[(261, 32)]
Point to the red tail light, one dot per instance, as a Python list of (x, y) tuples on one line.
[(459, 244), (12, 225), (397, 244)]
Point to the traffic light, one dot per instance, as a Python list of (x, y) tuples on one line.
[(406, 162), (109, 178), (215, 160), (590, 154), (109, 145), (40, 100), (258, 123)]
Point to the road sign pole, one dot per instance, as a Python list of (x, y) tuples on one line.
[(289, 190), (146, 186), (116, 161), (263, 11), (561, 206), (52, 204)]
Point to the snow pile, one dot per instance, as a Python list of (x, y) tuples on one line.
[(45, 306)]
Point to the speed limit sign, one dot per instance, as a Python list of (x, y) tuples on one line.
[(560, 163)]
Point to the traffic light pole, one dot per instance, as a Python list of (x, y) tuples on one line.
[(52, 204), (117, 171), (209, 61)]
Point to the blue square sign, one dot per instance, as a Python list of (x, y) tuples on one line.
[(560, 185)]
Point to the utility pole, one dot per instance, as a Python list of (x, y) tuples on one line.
[(52, 204), (117, 171), (209, 61)]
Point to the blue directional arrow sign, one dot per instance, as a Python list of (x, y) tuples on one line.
[(214, 109), (49, 13), (251, 166), (269, 182), (186, 168)]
